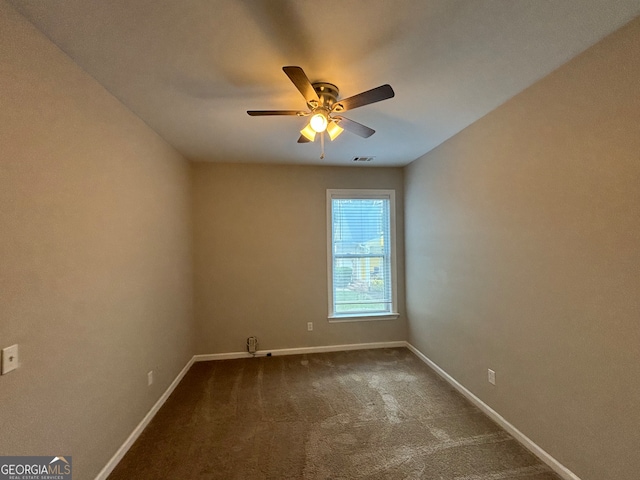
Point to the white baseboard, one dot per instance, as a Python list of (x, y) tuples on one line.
[(529, 444), (124, 448), (299, 351)]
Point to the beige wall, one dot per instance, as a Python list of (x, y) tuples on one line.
[(523, 255), (522, 249), (261, 256), (96, 272)]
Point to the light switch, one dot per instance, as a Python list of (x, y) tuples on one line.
[(9, 359)]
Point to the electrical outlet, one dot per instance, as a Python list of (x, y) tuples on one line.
[(252, 345), (310, 326), (9, 359), (150, 378), (491, 376)]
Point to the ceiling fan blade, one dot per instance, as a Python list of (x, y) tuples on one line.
[(302, 83), (355, 127), (365, 98), (303, 139), (261, 113)]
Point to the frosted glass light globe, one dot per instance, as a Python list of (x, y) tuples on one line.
[(319, 122)]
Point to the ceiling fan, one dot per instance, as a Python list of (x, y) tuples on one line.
[(325, 108)]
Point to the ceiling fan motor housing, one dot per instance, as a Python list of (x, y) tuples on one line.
[(327, 92)]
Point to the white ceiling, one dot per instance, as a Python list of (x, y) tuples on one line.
[(191, 68)]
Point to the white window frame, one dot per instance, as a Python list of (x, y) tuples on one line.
[(363, 194)]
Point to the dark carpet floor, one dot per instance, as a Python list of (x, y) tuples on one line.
[(367, 414)]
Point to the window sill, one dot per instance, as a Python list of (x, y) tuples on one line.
[(368, 317)]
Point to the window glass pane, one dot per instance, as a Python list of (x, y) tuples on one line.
[(361, 256)]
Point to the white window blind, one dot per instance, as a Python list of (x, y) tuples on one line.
[(361, 253)]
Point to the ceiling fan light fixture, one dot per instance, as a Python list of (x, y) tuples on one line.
[(333, 129), (319, 122), (309, 132), (324, 107)]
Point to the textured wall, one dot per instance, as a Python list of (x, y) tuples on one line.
[(522, 237), (96, 273), (261, 256)]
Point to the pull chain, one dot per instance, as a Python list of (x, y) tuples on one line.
[(322, 146)]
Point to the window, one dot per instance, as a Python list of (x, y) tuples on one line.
[(361, 254)]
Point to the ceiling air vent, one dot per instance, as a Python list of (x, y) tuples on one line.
[(362, 159)]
